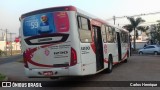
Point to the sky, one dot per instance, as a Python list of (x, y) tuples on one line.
[(11, 10)]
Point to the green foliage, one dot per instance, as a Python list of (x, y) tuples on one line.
[(0, 52), (156, 34), (142, 28), (128, 27), (134, 24), (2, 77), (131, 27)]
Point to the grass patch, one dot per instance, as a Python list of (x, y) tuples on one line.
[(2, 77), (8, 53)]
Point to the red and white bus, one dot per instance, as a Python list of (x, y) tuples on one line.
[(66, 41)]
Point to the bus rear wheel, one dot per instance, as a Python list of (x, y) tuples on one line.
[(126, 60), (110, 65)]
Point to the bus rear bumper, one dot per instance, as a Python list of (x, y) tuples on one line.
[(54, 72), (46, 72)]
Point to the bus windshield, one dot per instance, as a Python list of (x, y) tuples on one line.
[(46, 23)]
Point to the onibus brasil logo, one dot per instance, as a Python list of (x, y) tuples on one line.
[(20, 84)]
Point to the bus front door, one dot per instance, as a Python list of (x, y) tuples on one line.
[(99, 47), (119, 46)]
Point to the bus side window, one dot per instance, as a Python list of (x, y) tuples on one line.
[(113, 35), (79, 22), (107, 33), (104, 33), (110, 35), (124, 37), (84, 29)]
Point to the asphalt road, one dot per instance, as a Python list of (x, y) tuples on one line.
[(4, 60), (138, 68)]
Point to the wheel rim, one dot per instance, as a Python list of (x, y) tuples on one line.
[(155, 53), (140, 53)]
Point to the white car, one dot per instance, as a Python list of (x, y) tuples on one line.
[(150, 49)]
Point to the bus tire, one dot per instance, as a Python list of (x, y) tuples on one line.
[(110, 65), (126, 60)]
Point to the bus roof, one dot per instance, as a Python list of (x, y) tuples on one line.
[(69, 8), (51, 9), (62, 8)]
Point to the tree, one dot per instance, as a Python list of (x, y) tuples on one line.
[(142, 29), (158, 32), (135, 23), (155, 34), (128, 27)]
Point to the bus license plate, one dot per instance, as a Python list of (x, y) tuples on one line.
[(47, 73)]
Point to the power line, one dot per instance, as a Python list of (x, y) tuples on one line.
[(144, 23), (114, 17)]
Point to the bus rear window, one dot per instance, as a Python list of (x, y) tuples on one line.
[(46, 23)]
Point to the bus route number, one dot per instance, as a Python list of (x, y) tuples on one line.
[(34, 25)]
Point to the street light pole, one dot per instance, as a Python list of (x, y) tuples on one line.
[(6, 41)]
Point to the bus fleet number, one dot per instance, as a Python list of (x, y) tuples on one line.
[(85, 48)]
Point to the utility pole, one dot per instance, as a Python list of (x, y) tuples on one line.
[(114, 19), (11, 42)]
